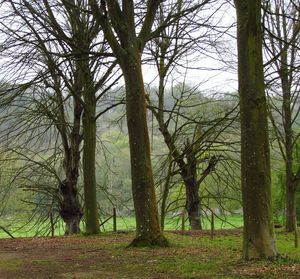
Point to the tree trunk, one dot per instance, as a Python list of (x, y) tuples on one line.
[(259, 241), (165, 194), (70, 210), (291, 192), (193, 207), (188, 172), (290, 182), (119, 27), (143, 190), (89, 162)]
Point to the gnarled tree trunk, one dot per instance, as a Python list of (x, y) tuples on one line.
[(193, 205), (71, 211)]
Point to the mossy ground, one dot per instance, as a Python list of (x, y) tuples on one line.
[(190, 255)]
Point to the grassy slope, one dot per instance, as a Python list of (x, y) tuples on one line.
[(106, 256)]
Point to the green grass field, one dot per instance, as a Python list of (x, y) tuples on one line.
[(123, 224)]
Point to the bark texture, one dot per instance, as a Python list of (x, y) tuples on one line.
[(84, 33), (119, 20), (259, 240), (89, 163), (291, 180), (143, 190), (71, 211)]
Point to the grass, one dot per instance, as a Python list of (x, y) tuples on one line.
[(191, 255), (123, 224)]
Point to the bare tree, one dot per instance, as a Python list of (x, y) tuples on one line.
[(282, 42), (186, 39), (61, 38)]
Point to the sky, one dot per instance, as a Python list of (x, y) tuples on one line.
[(216, 72)]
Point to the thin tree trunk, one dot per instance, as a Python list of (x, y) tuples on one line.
[(259, 241), (282, 24), (291, 207), (288, 135), (188, 170), (165, 194)]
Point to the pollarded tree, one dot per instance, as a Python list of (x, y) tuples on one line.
[(259, 240), (181, 41), (43, 97), (61, 38)]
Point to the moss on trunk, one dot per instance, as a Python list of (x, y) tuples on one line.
[(143, 190), (89, 163), (119, 27), (259, 240)]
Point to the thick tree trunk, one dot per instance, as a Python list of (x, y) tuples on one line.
[(143, 190), (259, 241), (70, 211), (193, 207), (188, 172), (89, 162), (119, 27)]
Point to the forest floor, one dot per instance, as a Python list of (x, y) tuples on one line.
[(190, 255)]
